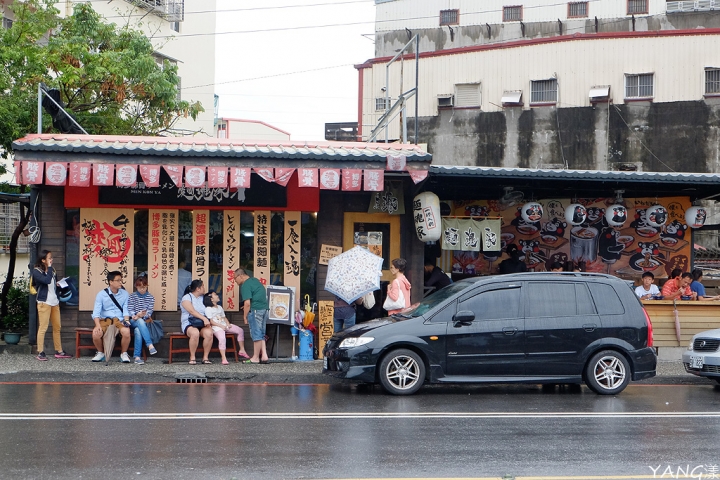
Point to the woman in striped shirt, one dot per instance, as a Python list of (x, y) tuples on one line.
[(140, 306)]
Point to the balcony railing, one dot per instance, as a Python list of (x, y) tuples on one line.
[(694, 6), (170, 10)]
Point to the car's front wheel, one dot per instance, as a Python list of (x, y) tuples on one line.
[(402, 372), (607, 373)]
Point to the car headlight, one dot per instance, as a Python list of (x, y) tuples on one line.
[(690, 347), (355, 342)]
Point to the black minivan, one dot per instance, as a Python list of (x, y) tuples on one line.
[(559, 327)]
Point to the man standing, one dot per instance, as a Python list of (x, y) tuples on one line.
[(111, 308), (255, 313)]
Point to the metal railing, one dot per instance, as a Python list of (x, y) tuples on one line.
[(170, 10), (692, 6)]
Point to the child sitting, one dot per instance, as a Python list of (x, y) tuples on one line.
[(648, 289), (220, 325)]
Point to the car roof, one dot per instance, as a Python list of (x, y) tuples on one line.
[(548, 276)]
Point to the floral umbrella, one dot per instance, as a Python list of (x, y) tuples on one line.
[(353, 274)]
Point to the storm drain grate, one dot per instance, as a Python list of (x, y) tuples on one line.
[(190, 378)]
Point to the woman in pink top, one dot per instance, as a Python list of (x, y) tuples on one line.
[(397, 268)]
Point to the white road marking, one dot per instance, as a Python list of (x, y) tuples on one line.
[(349, 416)]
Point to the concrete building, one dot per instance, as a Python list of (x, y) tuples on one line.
[(183, 33), (249, 130), (588, 85)]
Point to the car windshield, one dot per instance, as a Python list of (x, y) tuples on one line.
[(433, 300)]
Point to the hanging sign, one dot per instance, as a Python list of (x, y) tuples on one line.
[(201, 245), (239, 177), (374, 180), (469, 235), (103, 174), (217, 177), (308, 177), (262, 246), (18, 173), (328, 252), (329, 179), (391, 200), (55, 173), (106, 244), (351, 180), (125, 175), (32, 173), (162, 258), (426, 213), (175, 172), (231, 260), (195, 177), (267, 174), (396, 162), (418, 176), (150, 175), (292, 258), (451, 234), (490, 232), (283, 175), (80, 174), (695, 217)]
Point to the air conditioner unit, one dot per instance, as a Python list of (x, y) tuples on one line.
[(447, 100)]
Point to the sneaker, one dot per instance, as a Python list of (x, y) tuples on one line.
[(124, 357), (62, 355), (139, 361), (152, 350), (99, 357), (42, 357)]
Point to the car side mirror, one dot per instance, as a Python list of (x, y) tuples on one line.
[(463, 317)]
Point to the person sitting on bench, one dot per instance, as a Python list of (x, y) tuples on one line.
[(111, 305)]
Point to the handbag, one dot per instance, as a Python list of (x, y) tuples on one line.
[(369, 300), (196, 322), (155, 328), (32, 289), (398, 304)]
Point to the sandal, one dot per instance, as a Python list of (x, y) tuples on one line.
[(225, 362), (192, 362), (207, 362), (248, 362), (243, 355)]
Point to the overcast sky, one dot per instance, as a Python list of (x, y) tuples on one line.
[(255, 76)]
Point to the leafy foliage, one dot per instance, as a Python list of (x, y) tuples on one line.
[(106, 74), (17, 316)]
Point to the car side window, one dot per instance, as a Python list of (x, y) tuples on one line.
[(493, 304), (550, 299), (606, 299), (585, 305)]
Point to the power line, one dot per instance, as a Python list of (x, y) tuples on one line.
[(268, 76)]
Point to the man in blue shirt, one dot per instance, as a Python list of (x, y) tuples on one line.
[(111, 308)]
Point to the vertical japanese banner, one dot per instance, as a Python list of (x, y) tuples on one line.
[(262, 246), (325, 324), (200, 263), (291, 255), (231, 261), (106, 244), (162, 258)]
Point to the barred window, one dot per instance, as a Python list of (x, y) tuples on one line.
[(382, 104), (637, 6), (712, 80), (512, 14), (543, 91), (449, 17), (7, 23), (639, 86), (577, 9)]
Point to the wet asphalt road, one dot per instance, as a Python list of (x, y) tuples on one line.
[(241, 431)]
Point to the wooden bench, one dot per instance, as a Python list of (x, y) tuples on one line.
[(230, 339), (87, 332)]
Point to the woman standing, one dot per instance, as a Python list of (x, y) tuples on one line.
[(48, 304), (399, 285), (140, 306)]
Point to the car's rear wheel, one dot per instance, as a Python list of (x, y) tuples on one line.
[(607, 373), (402, 372)]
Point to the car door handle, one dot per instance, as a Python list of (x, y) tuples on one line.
[(509, 330), (589, 327)]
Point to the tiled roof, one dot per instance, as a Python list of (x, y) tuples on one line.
[(218, 147)]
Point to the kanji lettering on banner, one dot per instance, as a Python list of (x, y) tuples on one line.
[(283, 175), (55, 173), (103, 174), (329, 179), (352, 179), (150, 175), (125, 175), (195, 177), (374, 180), (32, 173), (80, 175), (217, 177), (396, 163), (175, 172), (239, 177), (307, 177), (267, 174)]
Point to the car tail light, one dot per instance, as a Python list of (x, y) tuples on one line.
[(650, 329)]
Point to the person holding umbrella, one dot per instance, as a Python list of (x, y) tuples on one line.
[(111, 305), (255, 313), (344, 314)]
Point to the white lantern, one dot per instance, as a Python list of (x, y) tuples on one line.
[(656, 216), (575, 214), (531, 212), (695, 216), (426, 211), (616, 215)]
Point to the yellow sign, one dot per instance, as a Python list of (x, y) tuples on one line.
[(327, 252), (261, 270), (201, 246), (326, 311), (291, 257)]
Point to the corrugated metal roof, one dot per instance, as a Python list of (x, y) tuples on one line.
[(218, 147), (593, 175)]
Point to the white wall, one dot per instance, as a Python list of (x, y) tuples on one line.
[(253, 130), (21, 265)]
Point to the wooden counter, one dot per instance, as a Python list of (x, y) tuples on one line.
[(695, 316)]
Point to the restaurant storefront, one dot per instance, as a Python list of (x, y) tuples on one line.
[(177, 209)]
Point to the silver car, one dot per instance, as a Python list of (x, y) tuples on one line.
[(702, 357)]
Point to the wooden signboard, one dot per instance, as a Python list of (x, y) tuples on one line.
[(262, 246), (162, 258), (291, 256), (327, 252), (106, 244), (326, 327), (231, 260)]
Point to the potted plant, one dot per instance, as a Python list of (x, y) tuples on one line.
[(16, 321)]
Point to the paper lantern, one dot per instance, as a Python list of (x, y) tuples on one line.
[(695, 216), (575, 214), (426, 211), (656, 216), (616, 215), (531, 212)]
